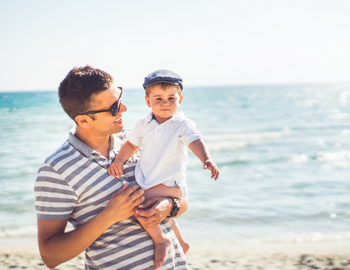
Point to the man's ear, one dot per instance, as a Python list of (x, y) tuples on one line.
[(83, 120), (148, 102)]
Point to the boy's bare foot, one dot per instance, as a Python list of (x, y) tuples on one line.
[(160, 252), (185, 246)]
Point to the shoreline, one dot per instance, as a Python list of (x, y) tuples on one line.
[(23, 253)]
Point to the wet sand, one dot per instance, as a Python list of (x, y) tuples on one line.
[(22, 253)]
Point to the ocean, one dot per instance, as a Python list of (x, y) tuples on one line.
[(283, 152)]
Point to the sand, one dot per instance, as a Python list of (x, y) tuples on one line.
[(22, 253)]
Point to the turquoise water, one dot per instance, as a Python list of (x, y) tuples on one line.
[(283, 152)]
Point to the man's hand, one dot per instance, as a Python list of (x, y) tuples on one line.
[(57, 246), (153, 211), (210, 165), (116, 168), (123, 203)]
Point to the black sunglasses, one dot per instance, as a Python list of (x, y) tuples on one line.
[(115, 107)]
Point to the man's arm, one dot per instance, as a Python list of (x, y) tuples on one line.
[(57, 247)]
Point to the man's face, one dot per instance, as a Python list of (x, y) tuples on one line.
[(164, 103), (105, 123)]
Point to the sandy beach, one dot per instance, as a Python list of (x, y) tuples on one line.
[(22, 253)]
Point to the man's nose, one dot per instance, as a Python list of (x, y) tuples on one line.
[(123, 108)]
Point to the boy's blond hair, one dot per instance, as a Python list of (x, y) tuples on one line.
[(164, 86)]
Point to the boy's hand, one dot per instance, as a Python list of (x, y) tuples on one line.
[(116, 168), (210, 165)]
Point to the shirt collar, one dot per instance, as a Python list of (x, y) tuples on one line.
[(86, 150), (78, 144), (177, 117)]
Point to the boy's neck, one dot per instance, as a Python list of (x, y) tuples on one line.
[(159, 119)]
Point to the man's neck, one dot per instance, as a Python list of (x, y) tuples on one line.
[(96, 142)]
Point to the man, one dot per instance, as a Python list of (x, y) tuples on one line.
[(73, 185)]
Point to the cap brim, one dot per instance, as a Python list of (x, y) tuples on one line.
[(162, 81)]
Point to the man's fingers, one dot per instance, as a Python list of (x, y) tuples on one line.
[(147, 222), (148, 204), (145, 212), (122, 189)]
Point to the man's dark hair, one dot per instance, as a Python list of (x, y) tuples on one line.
[(78, 87)]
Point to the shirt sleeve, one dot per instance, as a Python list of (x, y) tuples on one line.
[(134, 135), (189, 132), (54, 198)]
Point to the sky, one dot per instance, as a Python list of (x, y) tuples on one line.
[(209, 43)]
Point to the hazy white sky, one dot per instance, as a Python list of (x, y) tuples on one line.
[(221, 42)]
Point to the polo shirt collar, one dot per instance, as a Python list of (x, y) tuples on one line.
[(177, 117), (78, 144), (83, 148)]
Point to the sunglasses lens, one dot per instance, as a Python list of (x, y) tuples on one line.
[(116, 107)]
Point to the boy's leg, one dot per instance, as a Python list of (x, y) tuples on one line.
[(161, 242), (176, 228), (163, 191)]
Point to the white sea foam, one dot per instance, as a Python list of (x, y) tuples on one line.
[(297, 159), (257, 136), (16, 231), (341, 155), (344, 98), (339, 116), (238, 141), (226, 145), (312, 237), (345, 132)]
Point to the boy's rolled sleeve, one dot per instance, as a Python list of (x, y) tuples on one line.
[(134, 135), (190, 132)]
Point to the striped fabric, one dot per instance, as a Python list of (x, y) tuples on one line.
[(73, 184)]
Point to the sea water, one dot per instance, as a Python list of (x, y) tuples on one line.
[(283, 152)]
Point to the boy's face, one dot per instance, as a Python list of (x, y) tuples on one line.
[(164, 103)]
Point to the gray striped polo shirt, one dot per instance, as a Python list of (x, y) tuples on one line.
[(73, 183)]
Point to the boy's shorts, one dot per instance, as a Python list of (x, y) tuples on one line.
[(166, 183), (183, 189)]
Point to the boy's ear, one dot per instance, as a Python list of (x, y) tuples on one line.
[(181, 97), (147, 101), (83, 121)]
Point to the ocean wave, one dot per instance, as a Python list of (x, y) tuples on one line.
[(338, 159), (17, 231), (311, 237), (250, 136), (342, 155), (239, 141), (227, 145)]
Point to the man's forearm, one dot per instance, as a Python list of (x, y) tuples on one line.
[(64, 246), (57, 246)]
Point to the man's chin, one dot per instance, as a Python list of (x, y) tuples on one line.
[(118, 128)]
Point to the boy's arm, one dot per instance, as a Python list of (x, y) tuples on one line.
[(125, 152), (199, 148)]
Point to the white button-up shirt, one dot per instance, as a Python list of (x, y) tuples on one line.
[(164, 146)]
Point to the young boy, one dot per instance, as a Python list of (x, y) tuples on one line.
[(164, 135)]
